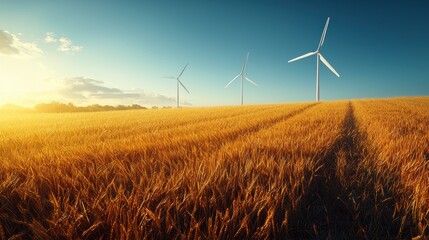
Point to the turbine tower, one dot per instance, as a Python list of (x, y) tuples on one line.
[(179, 82), (242, 76), (318, 56)]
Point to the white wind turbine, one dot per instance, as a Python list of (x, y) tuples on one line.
[(319, 56), (242, 77), (179, 82)]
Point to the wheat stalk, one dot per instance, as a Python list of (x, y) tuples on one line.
[(2, 233)]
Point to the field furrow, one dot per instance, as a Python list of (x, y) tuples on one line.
[(327, 201), (132, 141), (395, 152), (252, 186), (99, 127)]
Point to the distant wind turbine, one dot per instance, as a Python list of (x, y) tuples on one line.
[(179, 82), (242, 76), (319, 56)]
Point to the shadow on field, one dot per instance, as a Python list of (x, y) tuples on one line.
[(348, 199)]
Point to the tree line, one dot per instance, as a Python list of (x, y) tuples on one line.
[(70, 107)]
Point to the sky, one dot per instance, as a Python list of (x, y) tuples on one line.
[(117, 52)]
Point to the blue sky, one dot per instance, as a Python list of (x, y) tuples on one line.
[(116, 52)]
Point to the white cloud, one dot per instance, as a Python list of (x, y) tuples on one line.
[(64, 44), (50, 37), (11, 45), (81, 91)]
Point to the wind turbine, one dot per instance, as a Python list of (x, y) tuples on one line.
[(242, 77), (179, 82), (318, 56)]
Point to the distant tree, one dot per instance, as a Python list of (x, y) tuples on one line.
[(136, 106), (57, 107)]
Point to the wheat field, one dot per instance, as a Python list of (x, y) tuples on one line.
[(354, 169)]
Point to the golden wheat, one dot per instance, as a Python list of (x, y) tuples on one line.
[(396, 141), (335, 169)]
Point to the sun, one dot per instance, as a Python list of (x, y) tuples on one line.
[(20, 77)]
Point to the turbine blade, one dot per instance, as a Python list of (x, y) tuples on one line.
[(183, 85), (252, 82), (303, 56), (182, 71), (328, 65), (169, 77), (245, 63), (322, 38), (232, 80)]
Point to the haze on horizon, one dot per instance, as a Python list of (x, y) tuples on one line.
[(117, 52)]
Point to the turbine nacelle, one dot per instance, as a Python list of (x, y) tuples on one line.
[(242, 73), (179, 82), (319, 56), (242, 76)]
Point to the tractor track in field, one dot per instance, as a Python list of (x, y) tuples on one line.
[(227, 138), (256, 126), (265, 124), (334, 206), (235, 135), (212, 118), (324, 212)]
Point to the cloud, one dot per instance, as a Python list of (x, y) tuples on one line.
[(84, 91), (186, 103), (11, 45), (64, 44), (67, 46), (85, 88), (90, 91), (50, 37)]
